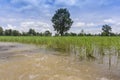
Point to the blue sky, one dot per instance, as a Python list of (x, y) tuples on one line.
[(89, 15)]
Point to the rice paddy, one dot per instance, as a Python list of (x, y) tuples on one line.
[(84, 47), (95, 58)]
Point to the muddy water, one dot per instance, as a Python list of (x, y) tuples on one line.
[(27, 62)]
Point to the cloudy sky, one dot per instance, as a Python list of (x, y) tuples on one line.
[(89, 15)]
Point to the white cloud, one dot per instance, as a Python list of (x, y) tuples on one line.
[(25, 26), (33, 2), (90, 24), (109, 21), (79, 24), (27, 7), (84, 24), (114, 23), (37, 25), (93, 30), (88, 27), (4, 20), (66, 2), (41, 2), (9, 26)]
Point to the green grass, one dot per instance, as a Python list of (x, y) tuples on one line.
[(81, 45)]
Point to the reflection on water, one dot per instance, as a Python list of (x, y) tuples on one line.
[(25, 62)]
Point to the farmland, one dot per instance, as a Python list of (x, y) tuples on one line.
[(91, 56), (71, 44)]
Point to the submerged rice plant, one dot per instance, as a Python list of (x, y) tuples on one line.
[(84, 47)]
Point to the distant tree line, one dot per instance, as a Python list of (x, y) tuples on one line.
[(31, 32), (106, 31)]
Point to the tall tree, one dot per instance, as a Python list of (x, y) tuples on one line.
[(82, 33), (1, 31), (62, 21), (106, 30), (8, 32), (47, 33), (32, 32), (16, 33)]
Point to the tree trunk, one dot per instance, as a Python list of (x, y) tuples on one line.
[(61, 33)]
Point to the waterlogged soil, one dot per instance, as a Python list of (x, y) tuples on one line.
[(28, 62)]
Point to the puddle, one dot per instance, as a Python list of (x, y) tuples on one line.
[(28, 62)]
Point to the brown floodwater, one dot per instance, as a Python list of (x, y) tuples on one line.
[(28, 62)]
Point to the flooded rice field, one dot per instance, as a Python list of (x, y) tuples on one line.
[(28, 62)]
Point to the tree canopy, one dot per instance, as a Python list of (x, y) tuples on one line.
[(1, 31), (47, 33), (31, 32), (62, 21), (106, 30)]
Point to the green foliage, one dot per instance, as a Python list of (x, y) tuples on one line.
[(82, 33), (65, 42), (8, 32), (16, 33), (1, 31), (62, 21), (47, 33), (106, 30), (70, 34), (84, 47), (31, 32)]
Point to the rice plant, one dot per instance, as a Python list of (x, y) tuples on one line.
[(67, 44)]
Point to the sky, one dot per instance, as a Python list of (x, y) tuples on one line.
[(88, 15)]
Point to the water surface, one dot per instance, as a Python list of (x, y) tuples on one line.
[(28, 62)]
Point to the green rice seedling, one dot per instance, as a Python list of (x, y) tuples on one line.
[(66, 44)]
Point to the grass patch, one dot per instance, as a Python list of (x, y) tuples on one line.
[(76, 45)]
